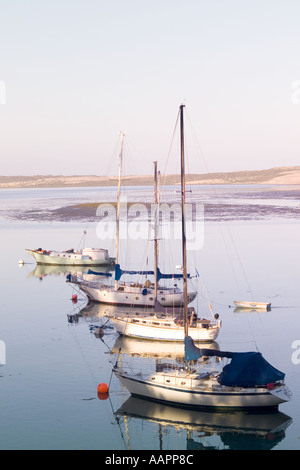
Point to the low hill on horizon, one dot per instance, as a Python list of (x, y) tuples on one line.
[(280, 175)]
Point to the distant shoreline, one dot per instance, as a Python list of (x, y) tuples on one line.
[(275, 176)]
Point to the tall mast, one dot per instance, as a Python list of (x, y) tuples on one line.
[(183, 222), (156, 214), (118, 202)]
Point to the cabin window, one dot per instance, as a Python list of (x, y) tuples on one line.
[(136, 298)]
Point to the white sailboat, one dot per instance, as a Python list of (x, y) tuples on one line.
[(132, 293), (247, 382), (167, 324)]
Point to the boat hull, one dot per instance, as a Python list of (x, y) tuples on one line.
[(221, 398), (135, 296), (127, 327), (252, 305), (69, 259)]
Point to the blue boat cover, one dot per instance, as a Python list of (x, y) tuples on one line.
[(246, 369)]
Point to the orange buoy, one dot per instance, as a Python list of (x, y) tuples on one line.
[(102, 388)]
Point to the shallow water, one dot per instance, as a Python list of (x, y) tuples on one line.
[(54, 361)]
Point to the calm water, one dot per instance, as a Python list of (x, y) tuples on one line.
[(54, 361)]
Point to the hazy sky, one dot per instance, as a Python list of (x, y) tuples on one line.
[(74, 73)]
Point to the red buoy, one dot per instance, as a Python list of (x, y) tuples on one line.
[(74, 298), (102, 388)]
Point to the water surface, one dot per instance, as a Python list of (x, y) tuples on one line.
[(54, 360)]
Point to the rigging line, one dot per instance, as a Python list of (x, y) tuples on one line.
[(206, 296), (215, 191), (108, 168), (171, 145), (242, 268), (85, 359), (226, 224), (83, 237)]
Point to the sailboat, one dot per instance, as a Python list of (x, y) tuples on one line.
[(167, 324), (132, 293), (248, 381)]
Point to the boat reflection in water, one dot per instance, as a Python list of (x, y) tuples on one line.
[(203, 429), (94, 311), (42, 270), (135, 347)]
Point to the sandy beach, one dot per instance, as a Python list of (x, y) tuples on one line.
[(275, 176)]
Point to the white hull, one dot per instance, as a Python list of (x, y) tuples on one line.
[(163, 349), (90, 257), (131, 295), (179, 390), (252, 305), (165, 329)]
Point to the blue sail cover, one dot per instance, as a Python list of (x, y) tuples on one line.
[(192, 353), (246, 369), (119, 272), (90, 271)]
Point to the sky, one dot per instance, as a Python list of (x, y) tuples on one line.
[(74, 73)]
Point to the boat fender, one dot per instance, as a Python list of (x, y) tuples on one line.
[(144, 292)]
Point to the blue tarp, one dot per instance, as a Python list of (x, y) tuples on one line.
[(246, 369)]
